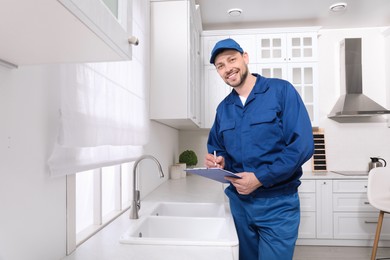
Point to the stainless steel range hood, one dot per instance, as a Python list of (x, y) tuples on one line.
[(353, 104)]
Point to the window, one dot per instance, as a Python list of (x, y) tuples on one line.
[(94, 199)]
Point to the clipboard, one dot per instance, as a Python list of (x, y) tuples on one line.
[(216, 174)]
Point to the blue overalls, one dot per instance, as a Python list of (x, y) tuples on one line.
[(271, 136)]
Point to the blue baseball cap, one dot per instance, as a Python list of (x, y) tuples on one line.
[(226, 44)]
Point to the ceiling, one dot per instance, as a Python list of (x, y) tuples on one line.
[(293, 13)]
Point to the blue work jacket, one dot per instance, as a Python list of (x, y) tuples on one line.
[(271, 135)]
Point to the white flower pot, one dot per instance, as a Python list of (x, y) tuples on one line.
[(175, 172)]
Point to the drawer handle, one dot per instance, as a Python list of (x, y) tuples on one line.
[(367, 203), (370, 222), (365, 186)]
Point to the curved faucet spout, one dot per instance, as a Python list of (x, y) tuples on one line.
[(136, 203)]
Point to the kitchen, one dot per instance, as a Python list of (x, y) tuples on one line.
[(33, 203)]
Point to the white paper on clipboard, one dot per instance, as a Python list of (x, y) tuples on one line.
[(216, 174)]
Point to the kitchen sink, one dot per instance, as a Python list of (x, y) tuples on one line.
[(182, 209), (163, 230), (182, 223)]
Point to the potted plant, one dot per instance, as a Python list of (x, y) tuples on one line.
[(187, 158)]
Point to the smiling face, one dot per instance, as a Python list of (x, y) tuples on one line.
[(232, 66)]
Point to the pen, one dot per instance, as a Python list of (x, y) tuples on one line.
[(215, 158)]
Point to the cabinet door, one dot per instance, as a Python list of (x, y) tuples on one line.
[(65, 31), (194, 109), (307, 227), (359, 226), (248, 44), (303, 77), (273, 70), (271, 48), (324, 209), (169, 95), (351, 202), (350, 186), (208, 45), (301, 47), (215, 91)]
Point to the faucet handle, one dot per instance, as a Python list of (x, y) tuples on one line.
[(138, 198)]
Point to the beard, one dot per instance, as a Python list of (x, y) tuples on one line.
[(241, 81)]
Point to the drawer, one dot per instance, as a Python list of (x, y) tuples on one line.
[(307, 186), (307, 227), (359, 226), (307, 201), (350, 186), (352, 202)]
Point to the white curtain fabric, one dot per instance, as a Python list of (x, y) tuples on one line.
[(103, 117)]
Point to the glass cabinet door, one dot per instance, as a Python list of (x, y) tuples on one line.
[(302, 76), (271, 48), (301, 47)]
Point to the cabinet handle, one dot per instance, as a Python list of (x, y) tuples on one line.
[(365, 186), (367, 203), (370, 222), (133, 40)]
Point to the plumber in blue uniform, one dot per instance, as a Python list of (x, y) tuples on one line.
[(263, 133)]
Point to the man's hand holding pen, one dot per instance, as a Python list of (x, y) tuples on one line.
[(214, 161)]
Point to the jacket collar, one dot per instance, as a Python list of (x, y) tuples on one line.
[(260, 87)]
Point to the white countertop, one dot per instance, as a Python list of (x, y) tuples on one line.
[(330, 176), (105, 244)]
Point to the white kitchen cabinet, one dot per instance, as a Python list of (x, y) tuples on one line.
[(359, 226), (290, 56), (303, 76), (293, 57), (324, 209), (215, 90), (342, 214), (62, 31), (286, 47), (175, 63), (307, 197), (354, 217), (246, 41)]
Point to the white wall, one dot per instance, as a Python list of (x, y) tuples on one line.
[(32, 219), (195, 140), (33, 204), (348, 145)]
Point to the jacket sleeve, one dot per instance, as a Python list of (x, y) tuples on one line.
[(215, 143), (298, 138)]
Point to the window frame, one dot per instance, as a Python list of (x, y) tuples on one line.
[(75, 239)]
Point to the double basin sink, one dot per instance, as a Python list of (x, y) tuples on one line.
[(181, 223)]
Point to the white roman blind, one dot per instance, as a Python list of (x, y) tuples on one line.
[(103, 117)]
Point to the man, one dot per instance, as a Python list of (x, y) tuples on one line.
[(262, 132)]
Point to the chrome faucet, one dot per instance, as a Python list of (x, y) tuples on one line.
[(136, 203)]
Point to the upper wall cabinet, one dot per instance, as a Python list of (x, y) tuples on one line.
[(290, 47), (175, 63), (61, 31), (290, 55)]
